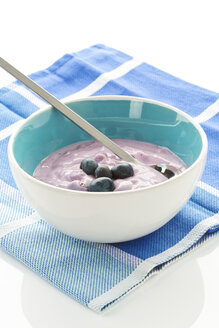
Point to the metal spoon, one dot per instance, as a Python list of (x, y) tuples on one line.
[(77, 119)]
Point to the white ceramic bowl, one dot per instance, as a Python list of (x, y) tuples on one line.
[(111, 216)]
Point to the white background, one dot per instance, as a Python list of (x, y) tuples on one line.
[(179, 37)]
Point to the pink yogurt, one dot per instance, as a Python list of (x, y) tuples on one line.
[(62, 168)]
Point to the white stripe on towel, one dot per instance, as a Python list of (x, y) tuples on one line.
[(208, 113), (13, 193), (9, 130), (208, 188), (27, 94), (118, 254), (104, 78), (14, 225), (139, 274)]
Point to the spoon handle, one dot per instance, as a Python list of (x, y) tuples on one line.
[(70, 114)]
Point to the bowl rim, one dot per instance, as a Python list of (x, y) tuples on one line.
[(68, 100)]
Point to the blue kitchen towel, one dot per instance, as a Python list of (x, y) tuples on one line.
[(95, 274)]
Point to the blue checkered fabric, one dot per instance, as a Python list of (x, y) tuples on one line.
[(96, 274)]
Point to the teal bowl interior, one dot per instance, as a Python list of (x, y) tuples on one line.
[(49, 130)]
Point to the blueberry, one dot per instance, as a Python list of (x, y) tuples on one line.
[(101, 184), (88, 165), (103, 171), (122, 171), (168, 173)]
